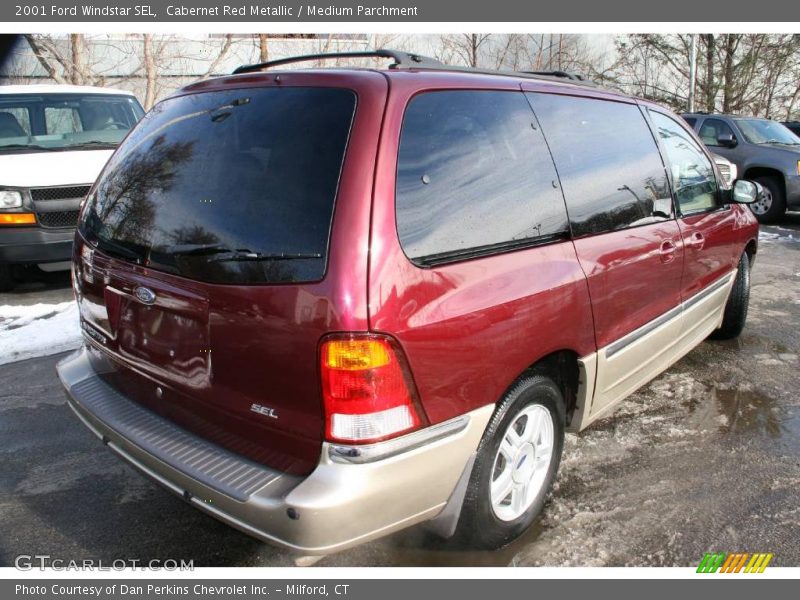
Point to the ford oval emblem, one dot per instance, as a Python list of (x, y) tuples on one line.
[(145, 295)]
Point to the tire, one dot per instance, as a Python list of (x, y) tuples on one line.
[(6, 278), (773, 206), (485, 523), (736, 308)]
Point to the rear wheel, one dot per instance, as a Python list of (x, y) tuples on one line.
[(6, 278), (771, 204), (516, 464), (736, 308)]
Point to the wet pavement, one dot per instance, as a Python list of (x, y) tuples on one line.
[(34, 286), (705, 457)]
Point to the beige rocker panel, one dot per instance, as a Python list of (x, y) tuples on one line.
[(612, 373)]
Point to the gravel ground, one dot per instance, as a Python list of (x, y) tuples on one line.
[(707, 456)]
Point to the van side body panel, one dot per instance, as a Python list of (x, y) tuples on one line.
[(469, 329)]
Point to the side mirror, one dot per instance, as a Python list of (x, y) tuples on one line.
[(746, 192), (727, 140)]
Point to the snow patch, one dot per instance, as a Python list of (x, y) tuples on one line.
[(37, 330)]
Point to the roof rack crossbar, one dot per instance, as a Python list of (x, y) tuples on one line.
[(401, 60)]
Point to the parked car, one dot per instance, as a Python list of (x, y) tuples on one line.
[(325, 305), (764, 151), (54, 140), (793, 126), (728, 171)]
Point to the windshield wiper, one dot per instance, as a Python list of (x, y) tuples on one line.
[(785, 143), (92, 144), (246, 256), (26, 147)]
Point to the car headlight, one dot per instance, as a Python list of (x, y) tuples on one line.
[(10, 199)]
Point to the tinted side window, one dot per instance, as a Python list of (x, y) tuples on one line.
[(473, 173), (690, 120), (610, 168), (692, 172), (712, 129)]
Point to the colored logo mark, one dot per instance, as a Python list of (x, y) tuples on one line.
[(738, 562)]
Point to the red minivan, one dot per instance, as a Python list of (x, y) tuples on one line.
[(324, 305)]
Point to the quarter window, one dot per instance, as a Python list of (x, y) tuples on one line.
[(612, 174), (474, 176), (692, 172)]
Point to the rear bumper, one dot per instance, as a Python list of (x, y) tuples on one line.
[(355, 494), (35, 245)]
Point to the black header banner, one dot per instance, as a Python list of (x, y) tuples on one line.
[(398, 11)]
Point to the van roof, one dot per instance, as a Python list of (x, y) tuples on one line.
[(61, 89), (424, 70), (437, 77)]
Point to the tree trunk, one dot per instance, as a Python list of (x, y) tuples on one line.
[(40, 54), (150, 74), (76, 70), (473, 50), (729, 85), (711, 91), (263, 47), (223, 51)]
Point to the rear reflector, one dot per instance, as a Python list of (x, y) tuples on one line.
[(17, 219), (367, 389)]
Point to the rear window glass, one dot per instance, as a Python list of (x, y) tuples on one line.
[(474, 176), (227, 187)]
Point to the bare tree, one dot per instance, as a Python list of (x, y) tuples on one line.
[(463, 48), (64, 59), (150, 74), (747, 73)]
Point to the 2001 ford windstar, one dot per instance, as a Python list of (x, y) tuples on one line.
[(324, 305)]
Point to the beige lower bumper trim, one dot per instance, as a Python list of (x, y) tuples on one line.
[(338, 505)]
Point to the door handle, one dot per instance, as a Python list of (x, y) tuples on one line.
[(696, 240), (667, 251)]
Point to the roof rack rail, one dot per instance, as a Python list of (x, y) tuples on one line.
[(563, 74), (407, 60), (401, 60)]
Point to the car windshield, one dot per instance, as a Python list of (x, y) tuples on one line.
[(51, 122), (764, 131)]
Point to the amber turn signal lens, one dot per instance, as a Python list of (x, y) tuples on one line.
[(17, 219), (356, 354)]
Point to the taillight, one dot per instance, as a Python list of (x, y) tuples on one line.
[(367, 389)]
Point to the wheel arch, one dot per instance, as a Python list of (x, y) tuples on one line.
[(759, 171), (564, 368), (751, 249)]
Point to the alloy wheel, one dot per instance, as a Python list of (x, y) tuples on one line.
[(522, 462)]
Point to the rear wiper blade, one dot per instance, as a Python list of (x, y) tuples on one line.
[(194, 249), (119, 250), (244, 256)]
